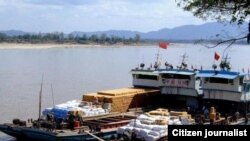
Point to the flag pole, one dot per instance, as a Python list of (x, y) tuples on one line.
[(40, 100), (157, 55)]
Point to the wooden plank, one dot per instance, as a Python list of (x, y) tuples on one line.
[(102, 116), (118, 122)]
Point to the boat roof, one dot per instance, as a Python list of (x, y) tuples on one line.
[(220, 74), (144, 72), (176, 71)]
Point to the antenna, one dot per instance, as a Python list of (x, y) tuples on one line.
[(52, 93), (183, 62), (40, 99), (225, 64), (157, 55)]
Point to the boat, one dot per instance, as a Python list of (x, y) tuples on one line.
[(71, 121), (178, 88), (228, 90), (80, 120), (104, 128), (178, 84)]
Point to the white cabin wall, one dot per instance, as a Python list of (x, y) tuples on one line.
[(245, 97), (179, 91), (146, 83), (198, 86), (219, 86), (222, 95), (178, 83)]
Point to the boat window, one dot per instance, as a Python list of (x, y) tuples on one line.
[(220, 80), (197, 78), (176, 76), (134, 76), (206, 80), (231, 81), (151, 77), (246, 87), (241, 81)]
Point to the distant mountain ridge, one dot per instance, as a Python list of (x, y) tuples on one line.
[(208, 31), (14, 32), (194, 32)]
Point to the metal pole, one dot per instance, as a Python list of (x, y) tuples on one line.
[(40, 99)]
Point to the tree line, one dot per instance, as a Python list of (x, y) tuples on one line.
[(60, 37)]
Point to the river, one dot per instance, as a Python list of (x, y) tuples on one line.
[(73, 72)]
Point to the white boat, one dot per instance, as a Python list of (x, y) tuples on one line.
[(230, 90)]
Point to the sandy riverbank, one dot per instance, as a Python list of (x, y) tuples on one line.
[(47, 46)]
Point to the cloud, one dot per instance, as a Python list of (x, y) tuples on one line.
[(61, 2), (91, 15)]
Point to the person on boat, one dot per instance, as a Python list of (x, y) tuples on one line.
[(236, 116), (50, 117), (246, 120), (206, 113), (71, 119), (188, 110), (201, 120), (78, 116), (211, 121), (226, 120), (95, 100)]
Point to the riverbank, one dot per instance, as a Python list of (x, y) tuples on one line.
[(47, 46)]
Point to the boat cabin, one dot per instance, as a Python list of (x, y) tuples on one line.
[(224, 85), (145, 78), (180, 82)]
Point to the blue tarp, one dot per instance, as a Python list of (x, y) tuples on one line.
[(219, 74)]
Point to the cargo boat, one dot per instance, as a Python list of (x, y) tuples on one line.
[(175, 88), (91, 129), (226, 90), (92, 120)]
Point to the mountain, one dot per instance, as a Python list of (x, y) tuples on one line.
[(14, 32), (208, 31), (194, 32)]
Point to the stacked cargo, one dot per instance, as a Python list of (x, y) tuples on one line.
[(153, 125), (61, 111), (123, 99)]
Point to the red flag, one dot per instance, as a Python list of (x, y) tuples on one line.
[(163, 45), (216, 56)]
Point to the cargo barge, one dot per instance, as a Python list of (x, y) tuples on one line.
[(187, 96)]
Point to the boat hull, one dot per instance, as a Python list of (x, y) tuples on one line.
[(26, 133)]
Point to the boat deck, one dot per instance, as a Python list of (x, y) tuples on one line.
[(108, 122)]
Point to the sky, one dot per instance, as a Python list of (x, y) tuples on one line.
[(92, 15)]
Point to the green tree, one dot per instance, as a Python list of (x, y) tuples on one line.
[(233, 10), (93, 38), (2, 37), (137, 38), (71, 36), (103, 38), (236, 11)]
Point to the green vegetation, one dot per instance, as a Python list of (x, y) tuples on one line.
[(61, 38), (233, 10), (236, 11)]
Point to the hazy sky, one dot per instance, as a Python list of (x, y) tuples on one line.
[(92, 15)]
